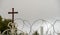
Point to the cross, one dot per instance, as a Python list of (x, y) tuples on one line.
[(12, 14)]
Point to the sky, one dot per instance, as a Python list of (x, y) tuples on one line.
[(31, 9)]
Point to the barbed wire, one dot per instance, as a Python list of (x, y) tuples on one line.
[(52, 25), (35, 22)]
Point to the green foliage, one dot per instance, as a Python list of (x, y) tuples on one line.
[(23, 33), (35, 33), (3, 24), (0, 18)]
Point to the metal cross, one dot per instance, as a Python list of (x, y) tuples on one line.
[(12, 14)]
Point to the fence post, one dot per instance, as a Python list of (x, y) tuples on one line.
[(58, 33), (41, 30), (0, 33)]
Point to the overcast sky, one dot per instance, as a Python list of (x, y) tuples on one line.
[(31, 9)]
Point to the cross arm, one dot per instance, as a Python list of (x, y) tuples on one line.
[(12, 12)]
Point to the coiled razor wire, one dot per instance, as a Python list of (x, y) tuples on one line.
[(35, 22), (52, 25)]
